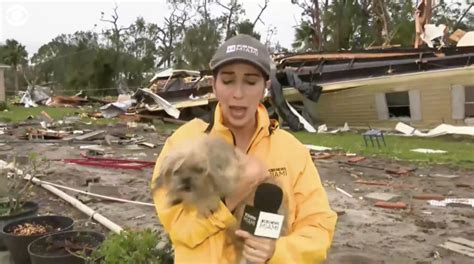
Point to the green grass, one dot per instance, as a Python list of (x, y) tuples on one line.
[(17, 114), (460, 151)]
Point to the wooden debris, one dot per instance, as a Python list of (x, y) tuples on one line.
[(446, 176), (385, 184), (356, 159), (457, 35), (320, 156), (146, 144), (425, 196), (90, 135), (391, 205), (344, 192), (465, 185), (459, 245), (386, 197)]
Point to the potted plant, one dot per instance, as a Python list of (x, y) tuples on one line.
[(14, 190), (72, 247), (18, 234), (145, 246)]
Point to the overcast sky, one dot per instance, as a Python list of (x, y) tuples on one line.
[(35, 22)]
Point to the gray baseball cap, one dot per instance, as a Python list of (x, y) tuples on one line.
[(243, 48)]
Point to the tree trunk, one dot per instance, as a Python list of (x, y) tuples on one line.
[(17, 84), (317, 36)]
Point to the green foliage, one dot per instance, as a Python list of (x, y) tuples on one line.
[(246, 27), (3, 106), (303, 37), (198, 46), (354, 24), (14, 54), (138, 247), (14, 189)]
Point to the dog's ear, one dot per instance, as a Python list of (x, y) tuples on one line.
[(170, 164)]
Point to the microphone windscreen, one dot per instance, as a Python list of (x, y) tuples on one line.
[(268, 198)]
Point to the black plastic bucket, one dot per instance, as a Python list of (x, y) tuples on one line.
[(29, 209), (50, 249), (18, 245)]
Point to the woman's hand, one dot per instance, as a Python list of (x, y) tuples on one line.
[(256, 249), (255, 172)]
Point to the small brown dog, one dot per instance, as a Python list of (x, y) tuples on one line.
[(201, 174)]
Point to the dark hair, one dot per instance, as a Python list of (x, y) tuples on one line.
[(216, 70)]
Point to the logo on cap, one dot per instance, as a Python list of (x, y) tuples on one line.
[(244, 48)]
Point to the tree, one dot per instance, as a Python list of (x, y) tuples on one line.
[(14, 54), (199, 44), (454, 15), (342, 21), (303, 37), (231, 17), (247, 27), (311, 17), (172, 32)]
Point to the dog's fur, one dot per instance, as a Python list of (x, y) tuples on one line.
[(203, 173)]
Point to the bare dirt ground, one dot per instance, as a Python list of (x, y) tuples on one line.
[(364, 233)]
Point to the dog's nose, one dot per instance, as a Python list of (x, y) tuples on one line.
[(186, 184)]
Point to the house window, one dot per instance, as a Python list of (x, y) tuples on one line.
[(469, 103), (398, 104)]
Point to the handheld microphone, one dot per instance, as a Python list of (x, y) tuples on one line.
[(262, 218)]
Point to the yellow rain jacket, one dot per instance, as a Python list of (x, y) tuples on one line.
[(310, 220)]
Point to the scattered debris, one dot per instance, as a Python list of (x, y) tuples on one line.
[(323, 155), (466, 40), (391, 205), (106, 190), (46, 117), (453, 202), (35, 95), (66, 101), (434, 35), (344, 192), (112, 163), (399, 171), (94, 148), (429, 151), (437, 197), (459, 245), (146, 144), (118, 108), (154, 102), (317, 148), (385, 184), (457, 35), (43, 134), (90, 135), (440, 130), (386, 197), (92, 179), (446, 176), (356, 159), (465, 185)]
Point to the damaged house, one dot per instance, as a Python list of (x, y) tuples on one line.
[(379, 88)]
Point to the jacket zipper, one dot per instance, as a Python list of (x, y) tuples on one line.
[(251, 143)]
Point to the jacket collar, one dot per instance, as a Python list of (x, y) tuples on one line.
[(264, 126)]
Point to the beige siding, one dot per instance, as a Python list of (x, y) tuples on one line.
[(357, 106)]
